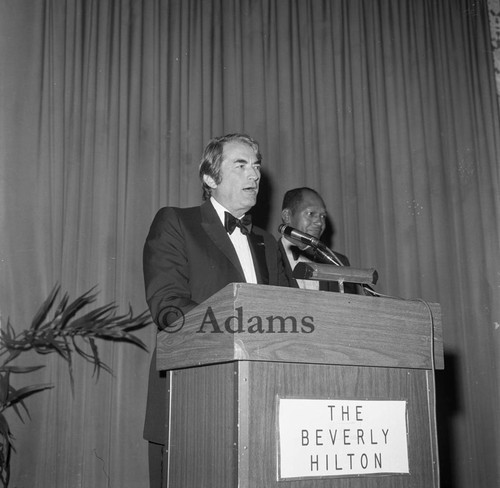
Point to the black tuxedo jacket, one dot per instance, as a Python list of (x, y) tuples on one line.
[(352, 288), (188, 257)]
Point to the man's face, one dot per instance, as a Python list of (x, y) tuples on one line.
[(309, 217), (240, 177)]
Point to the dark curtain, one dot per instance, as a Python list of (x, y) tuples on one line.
[(387, 108)]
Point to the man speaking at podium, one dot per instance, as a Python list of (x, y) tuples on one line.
[(303, 209), (192, 253)]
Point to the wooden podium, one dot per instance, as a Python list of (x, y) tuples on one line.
[(235, 357)]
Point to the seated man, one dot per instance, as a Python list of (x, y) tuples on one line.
[(304, 210)]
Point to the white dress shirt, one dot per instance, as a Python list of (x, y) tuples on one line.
[(240, 243)]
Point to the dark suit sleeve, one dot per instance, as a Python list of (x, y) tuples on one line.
[(166, 269)]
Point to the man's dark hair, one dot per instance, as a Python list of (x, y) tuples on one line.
[(293, 198), (211, 159)]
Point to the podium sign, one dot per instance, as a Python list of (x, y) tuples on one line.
[(324, 438)]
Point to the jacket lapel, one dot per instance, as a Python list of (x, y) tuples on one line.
[(288, 267), (258, 249), (215, 230)]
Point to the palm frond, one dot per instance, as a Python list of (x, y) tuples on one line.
[(17, 396), (69, 330), (4, 428), (44, 309), (20, 369)]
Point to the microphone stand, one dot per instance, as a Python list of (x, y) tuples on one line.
[(327, 272), (328, 266)]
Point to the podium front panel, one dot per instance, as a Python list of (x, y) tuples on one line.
[(224, 432)]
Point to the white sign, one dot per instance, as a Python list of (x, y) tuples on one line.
[(322, 438)]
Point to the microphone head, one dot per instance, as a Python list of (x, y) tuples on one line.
[(281, 228)]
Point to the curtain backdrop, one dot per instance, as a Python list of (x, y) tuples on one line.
[(494, 16), (387, 108)]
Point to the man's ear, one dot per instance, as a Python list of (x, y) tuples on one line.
[(286, 215), (208, 180)]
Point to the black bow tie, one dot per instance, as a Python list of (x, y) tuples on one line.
[(308, 252), (231, 222)]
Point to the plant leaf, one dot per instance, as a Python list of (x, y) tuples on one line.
[(44, 309), (27, 391), (18, 396), (4, 428), (20, 369), (4, 388)]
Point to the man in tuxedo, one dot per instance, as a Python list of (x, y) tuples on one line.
[(192, 253), (304, 210)]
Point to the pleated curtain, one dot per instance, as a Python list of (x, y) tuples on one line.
[(388, 108)]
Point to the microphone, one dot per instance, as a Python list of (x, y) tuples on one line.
[(298, 235), (322, 252)]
